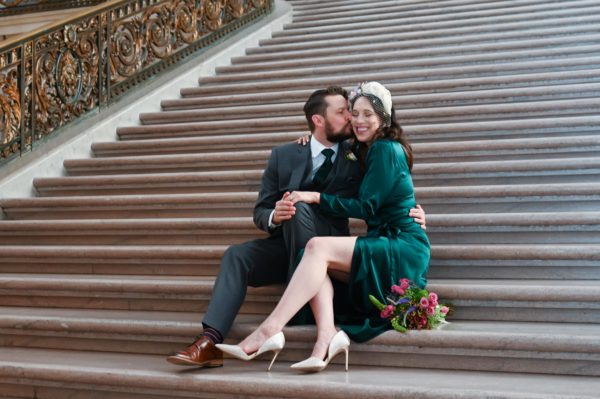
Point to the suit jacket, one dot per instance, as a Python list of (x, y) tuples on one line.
[(289, 169)]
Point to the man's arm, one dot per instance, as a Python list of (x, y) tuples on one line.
[(418, 214)]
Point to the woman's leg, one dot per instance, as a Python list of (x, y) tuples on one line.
[(322, 308), (321, 254)]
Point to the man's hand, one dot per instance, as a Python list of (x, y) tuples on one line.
[(310, 197), (418, 214), (284, 210)]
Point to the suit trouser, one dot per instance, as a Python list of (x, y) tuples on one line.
[(258, 263)]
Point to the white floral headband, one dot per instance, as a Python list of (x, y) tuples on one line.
[(374, 89)]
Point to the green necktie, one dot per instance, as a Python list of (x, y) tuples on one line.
[(324, 170)]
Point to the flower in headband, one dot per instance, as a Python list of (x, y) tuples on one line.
[(380, 98)]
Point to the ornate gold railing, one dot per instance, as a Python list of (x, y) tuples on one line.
[(14, 7), (53, 76)]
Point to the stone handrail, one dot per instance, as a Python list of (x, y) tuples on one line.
[(57, 74)]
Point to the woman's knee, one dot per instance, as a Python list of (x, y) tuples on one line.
[(316, 245)]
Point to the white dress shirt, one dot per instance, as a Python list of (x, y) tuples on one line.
[(317, 160)]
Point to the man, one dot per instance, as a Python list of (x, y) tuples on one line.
[(326, 165)]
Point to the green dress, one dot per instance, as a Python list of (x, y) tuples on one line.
[(395, 246)]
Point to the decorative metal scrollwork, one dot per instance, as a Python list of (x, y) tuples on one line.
[(213, 14), (53, 77), (10, 111), (10, 3)]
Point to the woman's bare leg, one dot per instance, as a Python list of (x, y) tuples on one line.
[(320, 255), (322, 308)]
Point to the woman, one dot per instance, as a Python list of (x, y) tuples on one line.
[(395, 246)]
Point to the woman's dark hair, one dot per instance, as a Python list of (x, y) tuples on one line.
[(391, 132), (316, 104)]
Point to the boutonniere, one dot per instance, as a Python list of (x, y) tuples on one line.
[(350, 156)]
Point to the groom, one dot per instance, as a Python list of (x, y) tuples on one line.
[(326, 165)]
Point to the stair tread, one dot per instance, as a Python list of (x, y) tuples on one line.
[(237, 377)]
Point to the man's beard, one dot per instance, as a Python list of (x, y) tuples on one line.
[(339, 136)]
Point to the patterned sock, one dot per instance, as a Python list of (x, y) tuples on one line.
[(213, 334)]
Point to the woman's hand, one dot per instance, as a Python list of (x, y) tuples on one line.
[(303, 140), (310, 197)]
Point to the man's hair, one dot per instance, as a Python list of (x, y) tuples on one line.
[(316, 104)]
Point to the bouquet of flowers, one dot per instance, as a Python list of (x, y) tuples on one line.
[(411, 308)]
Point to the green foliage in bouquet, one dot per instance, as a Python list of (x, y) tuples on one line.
[(411, 308)]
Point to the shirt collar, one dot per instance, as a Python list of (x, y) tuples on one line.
[(316, 147)]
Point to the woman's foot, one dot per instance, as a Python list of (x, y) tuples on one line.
[(254, 341), (322, 344)]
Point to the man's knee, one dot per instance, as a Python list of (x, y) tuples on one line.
[(304, 214)]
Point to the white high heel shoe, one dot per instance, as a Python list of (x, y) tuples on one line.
[(340, 342), (275, 344)]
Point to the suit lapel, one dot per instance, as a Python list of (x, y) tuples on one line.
[(300, 163)]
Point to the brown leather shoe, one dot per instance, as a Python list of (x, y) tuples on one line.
[(201, 353)]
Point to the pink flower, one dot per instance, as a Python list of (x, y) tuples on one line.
[(404, 283), (444, 310), (424, 303), (396, 289), (430, 311), (433, 297), (387, 311)]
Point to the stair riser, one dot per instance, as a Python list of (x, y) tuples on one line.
[(461, 269), (141, 267), (415, 133), (413, 41), (175, 188), (261, 95), (391, 74), (415, 86), (39, 389), (555, 48), (92, 167), (420, 180), (457, 235), (408, 107), (409, 12), (492, 309), (432, 206)]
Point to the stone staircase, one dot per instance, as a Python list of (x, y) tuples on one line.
[(111, 266)]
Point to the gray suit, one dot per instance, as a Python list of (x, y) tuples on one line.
[(272, 260)]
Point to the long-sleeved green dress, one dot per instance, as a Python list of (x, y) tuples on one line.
[(395, 246)]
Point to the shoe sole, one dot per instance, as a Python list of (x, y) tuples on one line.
[(187, 362)]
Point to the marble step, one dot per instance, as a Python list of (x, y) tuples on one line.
[(273, 92), (486, 28), (562, 197), (210, 146), (518, 12), (459, 151), (558, 301), (434, 39), (585, 102), (508, 262), (419, 58), (450, 229), (419, 12), (527, 86), (348, 75), (441, 174), (458, 130), (546, 345), (49, 374)]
